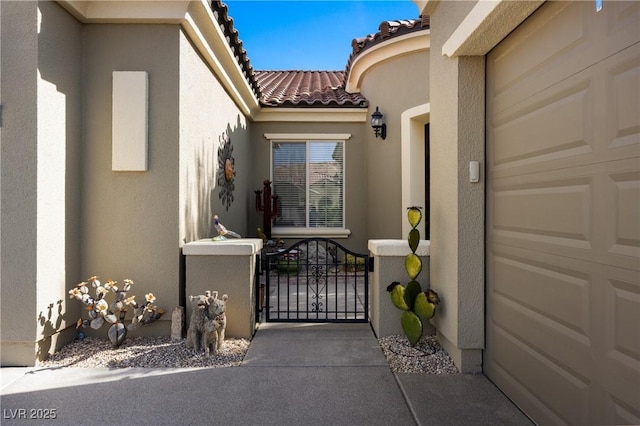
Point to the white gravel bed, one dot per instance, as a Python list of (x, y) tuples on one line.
[(427, 357), (151, 352)]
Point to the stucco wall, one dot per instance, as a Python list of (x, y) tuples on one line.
[(59, 176), (457, 206), (394, 86), (131, 219), (136, 222), (207, 117), (41, 86), (19, 185), (65, 214), (355, 169)]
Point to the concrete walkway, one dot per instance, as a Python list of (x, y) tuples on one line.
[(293, 374)]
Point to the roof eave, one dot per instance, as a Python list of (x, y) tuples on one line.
[(412, 42), (199, 24), (211, 42), (148, 12), (317, 115)]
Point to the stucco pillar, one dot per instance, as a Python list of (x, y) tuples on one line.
[(457, 205), (40, 177), (227, 267), (19, 182)]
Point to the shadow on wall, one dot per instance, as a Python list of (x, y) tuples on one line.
[(60, 91), (49, 328), (200, 187), (211, 183)]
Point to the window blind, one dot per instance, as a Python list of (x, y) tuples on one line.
[(308, 178)]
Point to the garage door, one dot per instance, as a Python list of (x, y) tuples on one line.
[(563, 214)]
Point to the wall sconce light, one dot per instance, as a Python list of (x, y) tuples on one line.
[(379, 128)]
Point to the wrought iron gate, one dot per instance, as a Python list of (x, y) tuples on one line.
[(316, 280)]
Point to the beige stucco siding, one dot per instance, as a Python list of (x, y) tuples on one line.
[(130, 219), (457, 216), (207, 117), (66, 214), (59, 175), (19, 184), (41, 46), (394, 86)]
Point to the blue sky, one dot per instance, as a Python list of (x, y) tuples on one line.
[(309, 35)]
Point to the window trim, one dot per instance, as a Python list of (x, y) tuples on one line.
[(288, 232), (305, 137), (304, 232)]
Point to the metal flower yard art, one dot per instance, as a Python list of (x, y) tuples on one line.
[(100, 311), (415, 304)]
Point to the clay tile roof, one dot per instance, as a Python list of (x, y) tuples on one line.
[(306, 89), (386, 30), (221, 13)]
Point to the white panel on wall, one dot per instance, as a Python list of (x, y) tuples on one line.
[(129, 121)]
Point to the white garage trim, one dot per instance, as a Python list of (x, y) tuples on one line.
[(486, 25)]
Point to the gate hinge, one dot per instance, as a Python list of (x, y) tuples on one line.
[(371, 263)]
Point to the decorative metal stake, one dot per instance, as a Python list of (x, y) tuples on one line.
[(268, 205)]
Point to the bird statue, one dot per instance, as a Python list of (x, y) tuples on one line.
[(223, 233)]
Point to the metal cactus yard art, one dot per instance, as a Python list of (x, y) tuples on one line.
[(268, 205), (415, 304)]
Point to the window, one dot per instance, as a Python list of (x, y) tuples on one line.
[(308, 178)]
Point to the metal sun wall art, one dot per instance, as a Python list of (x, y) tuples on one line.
[(226, 171)]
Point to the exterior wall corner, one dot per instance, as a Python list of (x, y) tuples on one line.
[(457, 205)]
